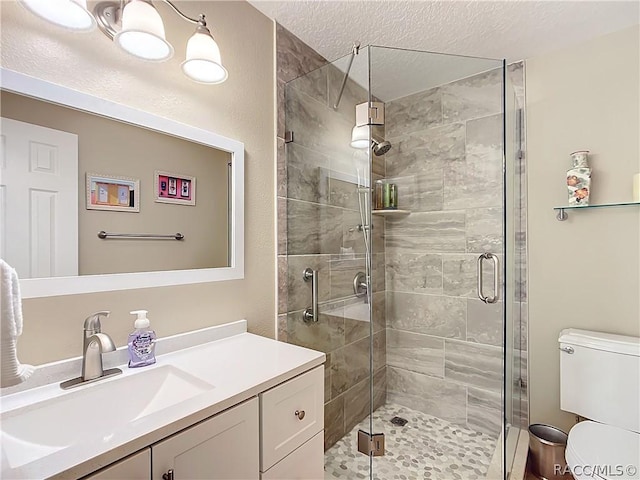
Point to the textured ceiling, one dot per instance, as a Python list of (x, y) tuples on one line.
[(513, 29)]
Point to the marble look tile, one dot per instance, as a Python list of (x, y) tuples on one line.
[(307, 174), (521, 327), (473, 364), (281, 107), (313, 228), (484, 230), (352, 237), (326, 335), (327, 378), (434, 396), (316, 126), (378, 269), (294, 57), (282, 284), (343, 194), (379, 311), (379, 349), (430, 232), (515, 72), (521, 290), (281, 159), (299, 291), (349, 365), (476, 180), (416, 352), (484, 411), (313, 84), (333, 421), (414, 112), (472, 97), (420, 192), (282, 226), (343, 272), (425, 151), (282, 329), (460, 276), (355, 330), (414, 272), (353, 94), (427, 314), (484, 322), (378, 234), (357, 400)]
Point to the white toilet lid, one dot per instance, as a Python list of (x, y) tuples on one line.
[(608, 451)]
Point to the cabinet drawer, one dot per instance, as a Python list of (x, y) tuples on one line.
[(305, 463), (134, 467), (282, 429)]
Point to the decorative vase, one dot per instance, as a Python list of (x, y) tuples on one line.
[(579, 179)]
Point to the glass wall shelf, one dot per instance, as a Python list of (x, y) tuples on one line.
[(563, 215)]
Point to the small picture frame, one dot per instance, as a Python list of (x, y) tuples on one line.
[(174, 188), (114, 193)]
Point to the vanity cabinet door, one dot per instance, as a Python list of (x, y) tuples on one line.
[(225, 447), (134, 467)]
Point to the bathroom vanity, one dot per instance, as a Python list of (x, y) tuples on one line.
[(238, 407)]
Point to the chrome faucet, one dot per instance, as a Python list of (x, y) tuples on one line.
[(95, 343)]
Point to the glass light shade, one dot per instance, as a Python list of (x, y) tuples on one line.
[(71, 14), (202, 62), (142, 33), (360, 137)]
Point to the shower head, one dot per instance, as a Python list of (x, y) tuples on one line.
[(380, 148)]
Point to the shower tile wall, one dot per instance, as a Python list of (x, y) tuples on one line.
[(318, 215), (444, 352)]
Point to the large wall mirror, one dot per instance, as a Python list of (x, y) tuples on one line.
[(97, 196)]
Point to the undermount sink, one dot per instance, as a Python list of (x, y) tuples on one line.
[(94, 412)]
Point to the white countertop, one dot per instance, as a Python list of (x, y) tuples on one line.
[(239, 367)]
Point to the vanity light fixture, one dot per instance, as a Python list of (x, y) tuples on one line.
[(137, 28)]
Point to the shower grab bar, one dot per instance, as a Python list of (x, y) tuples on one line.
[(154, 236), (311, 314), (354, 51), (496, 278)]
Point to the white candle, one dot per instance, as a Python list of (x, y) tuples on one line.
[(636, 187)]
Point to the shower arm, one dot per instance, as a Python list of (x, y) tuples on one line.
[(354, 51)]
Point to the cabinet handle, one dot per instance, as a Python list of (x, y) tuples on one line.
[(300, 414), (168, 475)]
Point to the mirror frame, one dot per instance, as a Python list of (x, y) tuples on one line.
[(22, 84)]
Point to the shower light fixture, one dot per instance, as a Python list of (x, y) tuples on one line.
[(360, 137), (137, 28)]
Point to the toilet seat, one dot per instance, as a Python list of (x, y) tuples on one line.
[(599, 451)]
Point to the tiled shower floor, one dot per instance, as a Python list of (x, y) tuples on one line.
[(427, 447)]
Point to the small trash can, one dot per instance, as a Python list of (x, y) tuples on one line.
[(546, 446)]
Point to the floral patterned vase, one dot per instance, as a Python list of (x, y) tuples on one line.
[(579, 179)]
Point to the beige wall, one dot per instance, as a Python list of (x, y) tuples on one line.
[(242, 108), (109, 147), (584, 272)]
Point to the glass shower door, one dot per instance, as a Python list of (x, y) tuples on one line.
[(443, 412), (328, 236)]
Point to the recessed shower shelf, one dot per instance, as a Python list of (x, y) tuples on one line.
[(562, 215), (389, 212)]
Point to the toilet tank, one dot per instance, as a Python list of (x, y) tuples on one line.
[(600, 377)]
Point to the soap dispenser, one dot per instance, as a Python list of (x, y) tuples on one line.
[(142, 342)]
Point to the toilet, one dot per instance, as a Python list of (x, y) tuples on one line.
[(600, 381)]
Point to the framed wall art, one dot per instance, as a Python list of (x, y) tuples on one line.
[(108, 192), (175, 188)]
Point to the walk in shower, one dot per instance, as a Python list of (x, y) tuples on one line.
[(417, 307)]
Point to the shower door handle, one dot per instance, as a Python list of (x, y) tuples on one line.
[(496, 278), (311, 314)]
